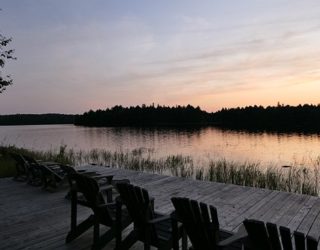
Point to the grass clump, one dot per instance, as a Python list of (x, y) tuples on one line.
[(292, 179)]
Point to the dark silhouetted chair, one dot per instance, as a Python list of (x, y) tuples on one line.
[(52, 175), (22, 173), (111, 215), (70, 171), (152, 228), (202, 226), (265, 236), (27, 170)]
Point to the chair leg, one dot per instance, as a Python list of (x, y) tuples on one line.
[(80, 229), (96, 232), (104, 239), (184, 240), (74, 197), (129, 240), (147, 238), (175, 235), (146, 246)]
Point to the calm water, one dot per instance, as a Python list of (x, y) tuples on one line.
[(201, 144)]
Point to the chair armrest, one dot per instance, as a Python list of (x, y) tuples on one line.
[(107, 205), (159, 219), (81, 171), (106, 188), (241, 234), (99, 176), (84, 172)]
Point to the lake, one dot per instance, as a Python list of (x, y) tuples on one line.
[(202, 143)]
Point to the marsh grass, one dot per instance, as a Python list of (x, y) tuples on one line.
[(7, 164), (296, 179)]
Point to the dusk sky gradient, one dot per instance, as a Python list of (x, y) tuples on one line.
[(77, 55)]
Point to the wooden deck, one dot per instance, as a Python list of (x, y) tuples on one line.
[(31, 218)]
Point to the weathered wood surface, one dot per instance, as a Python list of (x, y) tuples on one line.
[(31, 218)]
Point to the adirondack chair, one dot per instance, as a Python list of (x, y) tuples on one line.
[(112, 215), (101, 179), (49, 174), (26, 170), (266, 237), (52, 176), (22, 172), (202, 225), (152, 228)]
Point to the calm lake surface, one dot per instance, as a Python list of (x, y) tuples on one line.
[(202, 144)]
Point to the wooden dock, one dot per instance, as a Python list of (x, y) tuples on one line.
[(31, 218)]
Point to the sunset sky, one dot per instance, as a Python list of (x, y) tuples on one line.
[(76, 55)]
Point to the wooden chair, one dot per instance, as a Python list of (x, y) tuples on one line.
[(22, 172), (27, 170), (70, 171), (47, 174), (111, 215), (202, 225), (268, 237), (50, 174), (152, 228)]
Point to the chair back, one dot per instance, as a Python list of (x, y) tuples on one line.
[(33, 166), (139, 205), (70, 171), (21, 167), (200, 222), (93, 197), (29, 159), (267, 237)]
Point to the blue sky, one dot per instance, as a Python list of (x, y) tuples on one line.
[(79, 55)]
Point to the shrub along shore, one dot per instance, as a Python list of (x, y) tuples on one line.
[(303, 180)]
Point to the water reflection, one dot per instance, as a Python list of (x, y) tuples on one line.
[(201, 143)]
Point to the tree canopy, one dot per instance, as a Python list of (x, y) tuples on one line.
[(5, 54)]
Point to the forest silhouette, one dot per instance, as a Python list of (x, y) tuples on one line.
[(283, 118), (301, 118), (36, 119)]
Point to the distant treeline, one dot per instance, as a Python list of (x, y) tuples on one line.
[(301, 118), (145, 116), (34, 119)]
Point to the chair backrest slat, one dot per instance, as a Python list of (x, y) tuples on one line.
[(286, 238), (299, 241), (257, 234), (312, 243), (273, 236)]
